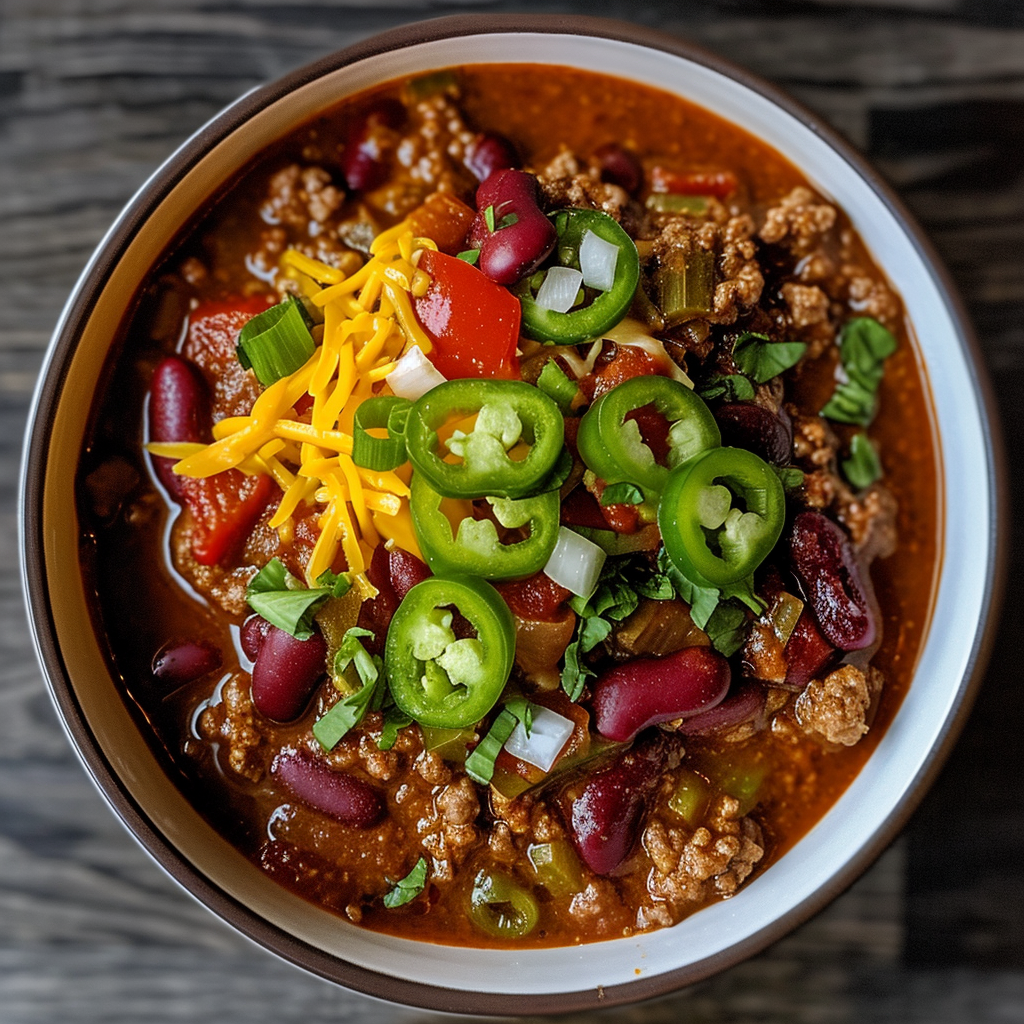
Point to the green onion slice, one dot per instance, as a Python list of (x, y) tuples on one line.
[(380, 453), (276, 343), (480, 763)]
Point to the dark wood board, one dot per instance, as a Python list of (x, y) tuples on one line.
[(95, 93)]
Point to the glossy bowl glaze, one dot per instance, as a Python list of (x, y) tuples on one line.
[(864, 819)]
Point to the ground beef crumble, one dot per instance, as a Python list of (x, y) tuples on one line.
[(837, 707), (712, 859)]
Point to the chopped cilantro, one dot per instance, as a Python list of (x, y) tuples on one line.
[(760, 358), (408, 888), (732, 388), (351, 710), (622, 494), (864, 345), (285, 602), (862, 468)]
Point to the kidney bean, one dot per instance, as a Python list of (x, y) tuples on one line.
[(645, 691), (509, 253), (745, 705), (179, 410), (620, 167), (842, 600), (285, 673), (765, 433), (807, 653), (180, 663), (607, 817), (252, 634), (342, 797), (488, 153), (362, 162), (394, 573)]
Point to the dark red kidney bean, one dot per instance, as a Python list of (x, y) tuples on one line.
[(510, 253), (406, 570), (645, 691), (757, 429), (179, 410), (745, 705), (394, 573), (285, 673), (807, 653), (607, 817), (180, 663), (841, 599), (342, 797), (620, 167), (488, 153), (252, 634), (362, 162)]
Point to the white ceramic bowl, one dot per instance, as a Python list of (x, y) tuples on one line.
[(864, 819)]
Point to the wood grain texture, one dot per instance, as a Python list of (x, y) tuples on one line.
[(95, 93)]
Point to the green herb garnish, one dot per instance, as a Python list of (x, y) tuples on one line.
[(622, 494), (732, 388), (790, 477), (760, 358), (351, 710), (862, 468), (286, 603), (408, 888), (615, 599), (480, 763), (863, 348)]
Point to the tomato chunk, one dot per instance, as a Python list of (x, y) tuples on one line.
[(224, 510), (211, 343), (536, 597), (473, 323)]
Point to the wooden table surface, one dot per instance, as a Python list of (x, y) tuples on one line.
[(95, 93)]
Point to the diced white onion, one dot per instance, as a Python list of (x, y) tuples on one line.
[(414, 375), (597, 261), (559, 289), (575, 563), (549, 732)]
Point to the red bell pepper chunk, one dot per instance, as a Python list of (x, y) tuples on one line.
[(472, 322), (720, 184)]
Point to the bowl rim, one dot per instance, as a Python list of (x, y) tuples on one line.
[(31, 534)]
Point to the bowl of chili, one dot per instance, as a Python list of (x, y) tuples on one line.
[(718, 507)]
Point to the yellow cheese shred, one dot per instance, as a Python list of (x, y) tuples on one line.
[(368, 324)]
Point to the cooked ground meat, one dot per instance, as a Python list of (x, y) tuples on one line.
[(716, 857), (836, 708), (798, 221), (564, 182)]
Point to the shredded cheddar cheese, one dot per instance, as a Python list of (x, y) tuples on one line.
[(368, 325)]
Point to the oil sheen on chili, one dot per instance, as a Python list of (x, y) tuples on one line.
[(526, 489)]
